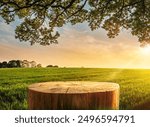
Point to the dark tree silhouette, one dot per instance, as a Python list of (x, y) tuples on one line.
[(12, 64), (19, 64), (38, 18), (0, 65), (4, 64), (49, 66)]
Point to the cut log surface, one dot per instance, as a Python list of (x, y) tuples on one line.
[(73, 95)]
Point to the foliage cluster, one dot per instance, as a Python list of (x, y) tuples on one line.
[(18, 64), (39, 18)]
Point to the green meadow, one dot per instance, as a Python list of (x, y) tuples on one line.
[(134, 84)]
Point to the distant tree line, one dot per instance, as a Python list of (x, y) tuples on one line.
[(56, 66), (19, 64)]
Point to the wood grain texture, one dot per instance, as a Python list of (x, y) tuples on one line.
[(72, 95)]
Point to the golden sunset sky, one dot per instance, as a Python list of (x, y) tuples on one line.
[(78, 47)]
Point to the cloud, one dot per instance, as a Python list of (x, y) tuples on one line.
[(6, 29)]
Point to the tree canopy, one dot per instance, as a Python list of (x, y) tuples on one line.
[(39, 18)]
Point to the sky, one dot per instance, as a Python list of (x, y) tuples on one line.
[(78, 47)]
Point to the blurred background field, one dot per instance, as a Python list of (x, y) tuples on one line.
[(134, 83)]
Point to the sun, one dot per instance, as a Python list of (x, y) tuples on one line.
[(146, 50)]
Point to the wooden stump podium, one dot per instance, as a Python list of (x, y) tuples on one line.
[(73, 95)]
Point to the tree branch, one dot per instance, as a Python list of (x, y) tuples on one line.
[(65, 9), (78, 9), (132, 4)]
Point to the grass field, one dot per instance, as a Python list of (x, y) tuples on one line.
[(134, 83)]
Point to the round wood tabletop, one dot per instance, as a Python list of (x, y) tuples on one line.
[(71, 87)]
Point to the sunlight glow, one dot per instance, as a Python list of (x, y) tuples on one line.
[(145, 50)]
